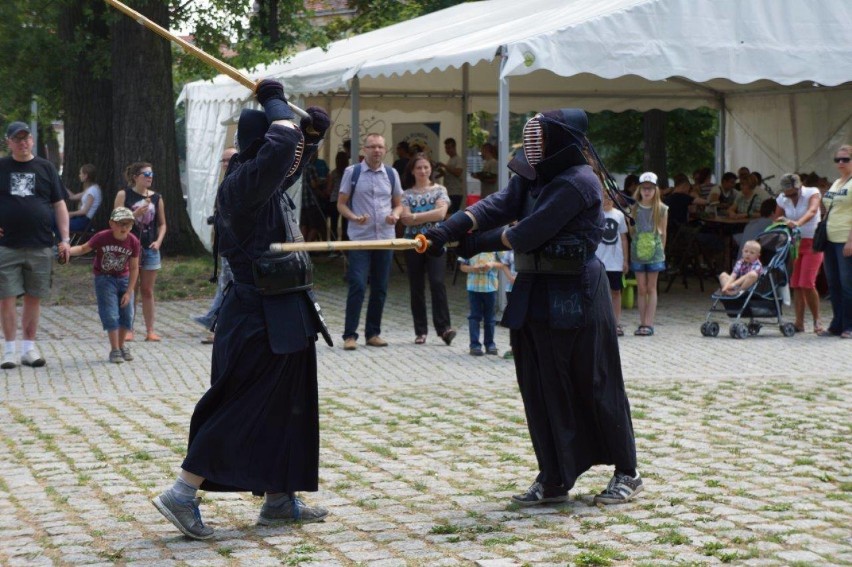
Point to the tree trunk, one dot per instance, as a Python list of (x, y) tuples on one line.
[(654, 133), (144, 116), (87, 99)]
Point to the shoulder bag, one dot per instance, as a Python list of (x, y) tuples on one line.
[(821, 233)]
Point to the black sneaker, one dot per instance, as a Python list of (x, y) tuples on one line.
[(538, 493), (185, 516), (621, 488), (291, 510)]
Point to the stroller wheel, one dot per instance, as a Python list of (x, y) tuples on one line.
[(788, 329), (704, 329), (754, 328), (713, 329), (738, 331)]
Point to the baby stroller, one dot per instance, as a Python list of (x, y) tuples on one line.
[(762, 300)]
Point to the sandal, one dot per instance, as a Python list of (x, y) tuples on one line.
[(801, 328), (826, 333), (421, 339), (642, 331), (619, 331), (846, 335), (817, 326), (152, 338)]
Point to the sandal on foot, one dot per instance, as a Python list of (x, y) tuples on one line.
[(846, 335), (826, 333), (817, 326), (801, 328), (152, 338), (420, 339), (644, 331), (619, 330)]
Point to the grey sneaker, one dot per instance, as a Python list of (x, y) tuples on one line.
[(115, 356), (292, 510), (185, 516), (621, 488), (126, 354), (9, 361), (32, 358), (539, 493)]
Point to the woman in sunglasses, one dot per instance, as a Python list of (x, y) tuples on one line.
[(838, 255), (149, 214)]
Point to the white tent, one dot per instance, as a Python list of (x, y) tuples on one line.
[(779, 72)]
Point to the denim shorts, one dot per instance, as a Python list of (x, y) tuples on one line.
[(108, 290), (150, 259), (652, 267), (25, 271)]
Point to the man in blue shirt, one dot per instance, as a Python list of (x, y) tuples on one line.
[(372, 206)]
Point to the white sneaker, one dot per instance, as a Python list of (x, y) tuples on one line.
[(9, 361), (32, 358)]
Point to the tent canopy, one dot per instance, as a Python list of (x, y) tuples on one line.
[(778, 69)]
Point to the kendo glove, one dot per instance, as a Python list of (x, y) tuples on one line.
[(451, 229), (270, 94), (475, 242), (315, 124)]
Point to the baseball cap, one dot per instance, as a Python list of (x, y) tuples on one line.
[(648, 177), (790, 181), (121, 214), (17, 127)]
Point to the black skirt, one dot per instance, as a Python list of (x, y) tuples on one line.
[(257, 427), (573, 389)]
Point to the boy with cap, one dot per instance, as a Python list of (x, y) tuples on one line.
[(116, 269)]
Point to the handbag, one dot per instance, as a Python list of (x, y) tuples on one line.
[(820, 243)]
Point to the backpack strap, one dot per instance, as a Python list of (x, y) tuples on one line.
[(356, 173)]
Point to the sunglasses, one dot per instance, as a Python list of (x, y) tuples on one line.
[(147, 174), (842, 159)]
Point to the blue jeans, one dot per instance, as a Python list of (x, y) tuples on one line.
[(481, 310), (108, 290), (226, 276), (377, 265), (838, 272)]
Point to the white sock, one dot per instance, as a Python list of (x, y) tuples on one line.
[(11, 347), (27, 346)]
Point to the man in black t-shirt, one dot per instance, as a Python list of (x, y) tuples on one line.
[(31, 195)]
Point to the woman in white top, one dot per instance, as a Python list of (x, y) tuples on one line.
[(798, 207), (90, 199)]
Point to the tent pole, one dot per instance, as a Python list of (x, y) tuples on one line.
[(354, 134), (720, 147), (465, 130), (503, 123)]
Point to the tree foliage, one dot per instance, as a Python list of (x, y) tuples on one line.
[(690, 137)]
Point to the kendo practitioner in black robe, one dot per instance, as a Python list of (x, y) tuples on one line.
[(257, 427), (559, 312)]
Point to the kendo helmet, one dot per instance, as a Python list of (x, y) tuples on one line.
[(547, 135)]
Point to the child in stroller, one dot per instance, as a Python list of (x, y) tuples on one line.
[(752, 293), (745, 272)]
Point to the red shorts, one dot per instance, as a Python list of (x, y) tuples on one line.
[(806, 266)]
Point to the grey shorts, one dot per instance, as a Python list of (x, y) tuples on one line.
[(25, 271)]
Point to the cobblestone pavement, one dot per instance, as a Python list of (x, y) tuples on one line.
[(744, 446)]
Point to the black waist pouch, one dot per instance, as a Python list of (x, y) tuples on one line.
[(276, 273)]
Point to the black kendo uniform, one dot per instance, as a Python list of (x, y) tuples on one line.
[(559, 312), (257, 427)]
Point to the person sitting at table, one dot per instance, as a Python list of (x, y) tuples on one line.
[(758, 225), (90, 199), (747, 203), (679, 201), (724, 194), (702, 184)]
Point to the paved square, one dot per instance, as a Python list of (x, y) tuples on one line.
[(744, 446)]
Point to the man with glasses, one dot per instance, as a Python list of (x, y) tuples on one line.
[(31, 195), (372, 205)]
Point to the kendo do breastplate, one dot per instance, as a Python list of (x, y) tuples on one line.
[(562, 254), (277, 273)]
